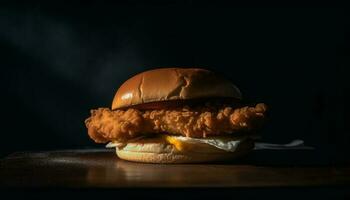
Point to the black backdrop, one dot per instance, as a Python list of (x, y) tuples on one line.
[(60, 60)]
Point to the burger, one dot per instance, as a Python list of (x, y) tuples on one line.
[(177, 115)]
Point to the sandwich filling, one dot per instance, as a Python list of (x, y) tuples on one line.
[(170, 143), (186, 125)]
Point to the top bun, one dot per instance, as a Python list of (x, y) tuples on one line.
[(173, 84)]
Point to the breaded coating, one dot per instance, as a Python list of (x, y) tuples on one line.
[(106, 125)]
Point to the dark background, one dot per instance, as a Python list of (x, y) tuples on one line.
[(60, 60)]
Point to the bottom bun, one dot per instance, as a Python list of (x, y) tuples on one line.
[(173, 156)]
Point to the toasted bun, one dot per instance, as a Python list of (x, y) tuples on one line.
[(155, 152), (173, 84)]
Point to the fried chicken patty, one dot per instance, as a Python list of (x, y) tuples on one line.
[(106, 125)]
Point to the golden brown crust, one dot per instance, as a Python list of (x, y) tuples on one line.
[(105, 125), (172, 84)]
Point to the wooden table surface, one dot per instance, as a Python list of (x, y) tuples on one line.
[(102, 169)]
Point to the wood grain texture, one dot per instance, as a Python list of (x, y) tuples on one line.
[(102, 169)]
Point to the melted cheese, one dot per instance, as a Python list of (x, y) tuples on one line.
[(178, 144)]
